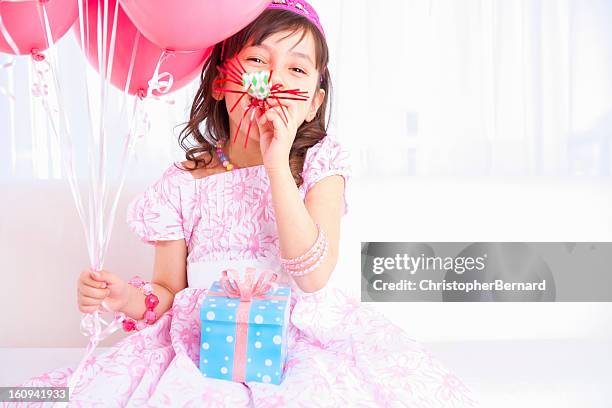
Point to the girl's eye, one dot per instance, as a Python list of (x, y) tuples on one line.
[(255, 59), (301, 71)]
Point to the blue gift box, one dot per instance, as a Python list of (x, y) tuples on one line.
[(254, 349)]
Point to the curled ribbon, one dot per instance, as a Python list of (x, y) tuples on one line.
[(91, 326), (160, 82), (43, 71), (246, 289)]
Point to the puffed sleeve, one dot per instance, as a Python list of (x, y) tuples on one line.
[(326, 158), (155, 214)]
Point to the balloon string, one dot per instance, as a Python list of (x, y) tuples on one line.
[(8, 37), (127, 149), (98, 183), (90, 323), (40, 89), (104, 234), (91, 326), (95, 161), (128, 80), (107, 234), (8, 91), (156, 83), (84, 34), (41, 70), (63, 125), (43, 66), (127, 155)]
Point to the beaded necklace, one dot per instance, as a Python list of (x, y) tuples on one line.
[(224, 160)]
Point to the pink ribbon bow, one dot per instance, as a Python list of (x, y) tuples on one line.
[(245, 288)]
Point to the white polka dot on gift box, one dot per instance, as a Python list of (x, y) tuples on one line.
[(266, 354)]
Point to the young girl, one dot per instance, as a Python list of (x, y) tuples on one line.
[(228, 205)]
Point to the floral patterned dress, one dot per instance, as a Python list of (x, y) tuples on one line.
[(341, 353)]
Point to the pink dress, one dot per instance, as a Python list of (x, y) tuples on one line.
[(341, 353)]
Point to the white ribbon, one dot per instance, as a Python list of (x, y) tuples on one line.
[(8, 37), (3, 90), (91, 326), (161, 83)]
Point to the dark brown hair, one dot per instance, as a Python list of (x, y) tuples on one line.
[(214, 113)]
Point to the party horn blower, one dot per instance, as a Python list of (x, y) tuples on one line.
[(257, 85)]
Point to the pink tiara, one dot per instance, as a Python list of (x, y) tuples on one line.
[(300, 7)]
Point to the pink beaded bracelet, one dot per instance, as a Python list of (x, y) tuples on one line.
[(299, 266), (151, 301), (307, 254), (320, 248), (312, 267)]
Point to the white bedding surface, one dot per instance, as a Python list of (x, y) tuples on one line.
[(546, 373)]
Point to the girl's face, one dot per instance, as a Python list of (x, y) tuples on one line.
[(293, 63)]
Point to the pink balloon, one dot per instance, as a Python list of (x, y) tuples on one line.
[(184, 25), (182, 66), (25, 23)]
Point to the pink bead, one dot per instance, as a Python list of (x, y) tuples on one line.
[(147, 288), (128, 325), (140, 325), (151, 301), (136, 281), (149, 316)]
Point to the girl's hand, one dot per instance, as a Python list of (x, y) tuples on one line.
[(276, 136), (93, 288)]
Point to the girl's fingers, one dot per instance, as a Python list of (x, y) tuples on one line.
[(89, 301), (265, 124), (283, 112), (93, 292), (273, 115), (94, 284), (87, 279), (104, 276), (260, 118)]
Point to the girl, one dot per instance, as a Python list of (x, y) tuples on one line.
[(264, 200)]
